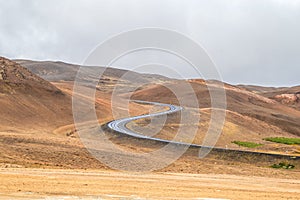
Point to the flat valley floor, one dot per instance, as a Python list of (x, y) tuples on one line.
[(30, 183)]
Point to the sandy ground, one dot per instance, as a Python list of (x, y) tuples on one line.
[(22, 183)]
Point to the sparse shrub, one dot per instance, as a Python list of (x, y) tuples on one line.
[(283, 165)]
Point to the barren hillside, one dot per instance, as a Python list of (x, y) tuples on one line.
[(28, 102), (289, 96), (31, 105)]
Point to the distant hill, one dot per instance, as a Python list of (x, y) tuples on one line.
[(289, 96), (267, 104), (60, 71), (241, 103)]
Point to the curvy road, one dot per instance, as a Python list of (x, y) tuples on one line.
[(119, 126)]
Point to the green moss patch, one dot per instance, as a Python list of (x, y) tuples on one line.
[(247, 144), (283, 140)]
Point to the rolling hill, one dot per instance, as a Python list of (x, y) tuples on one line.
[(36, 115)]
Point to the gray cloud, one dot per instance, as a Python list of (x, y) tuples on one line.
[(251, 41)]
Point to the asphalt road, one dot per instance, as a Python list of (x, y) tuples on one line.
[(119, 126)]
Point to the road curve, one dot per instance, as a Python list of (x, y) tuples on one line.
[(119, 126)]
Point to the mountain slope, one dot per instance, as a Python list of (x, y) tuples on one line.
[(239, 100), (28, 101), (289, 96), (60, 71)]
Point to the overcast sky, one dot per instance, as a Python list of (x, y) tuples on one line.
[(251, 41)]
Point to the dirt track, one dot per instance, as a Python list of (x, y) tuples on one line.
[(22, 183)]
